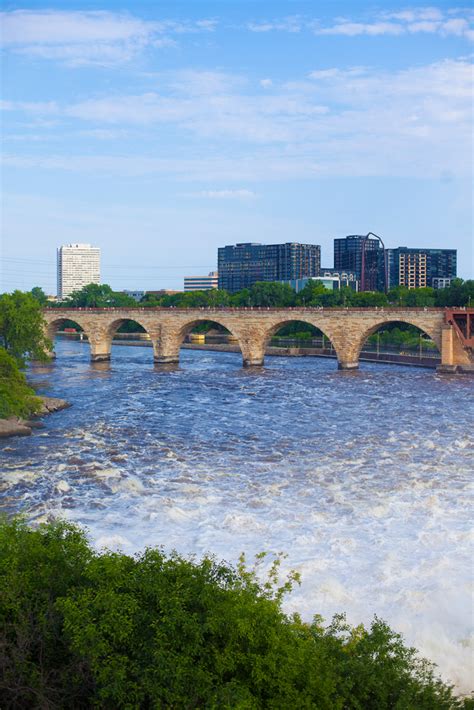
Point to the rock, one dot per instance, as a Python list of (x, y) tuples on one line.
[(34, 424), (14, 427), (52, 404)]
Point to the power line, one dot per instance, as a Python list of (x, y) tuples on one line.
[(115, 266)]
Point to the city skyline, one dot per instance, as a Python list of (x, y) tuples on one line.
[(152, 135)]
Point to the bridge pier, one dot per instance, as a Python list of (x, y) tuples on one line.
[(166, 359), (252, 345), (253, 361), (347, 365), (166, 348), (100, 357), (100, 346), (454, 358)]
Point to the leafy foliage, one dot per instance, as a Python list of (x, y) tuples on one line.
[(38, 293), (22, 331), (98, 296), (80, 629), (16, 398)]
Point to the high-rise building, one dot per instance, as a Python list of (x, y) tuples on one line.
[(418, 268), (365, 256), (242, 265), (78, 265), (201, 283)]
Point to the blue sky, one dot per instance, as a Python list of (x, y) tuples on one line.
[(159, 131)]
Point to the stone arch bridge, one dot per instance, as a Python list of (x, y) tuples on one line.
[(347, 329)]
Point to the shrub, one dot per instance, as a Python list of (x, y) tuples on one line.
[(16, 398), (80, 629)]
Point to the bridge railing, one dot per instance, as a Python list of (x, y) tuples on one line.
[(239, 309)]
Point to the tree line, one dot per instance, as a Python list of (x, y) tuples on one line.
[(272, 294)]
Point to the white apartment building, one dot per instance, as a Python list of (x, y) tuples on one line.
[(78, 265), (201, 283)]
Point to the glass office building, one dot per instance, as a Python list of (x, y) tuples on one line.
[(364, 256), (242, 265)]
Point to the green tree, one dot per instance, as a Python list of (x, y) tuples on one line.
[(459, 293), (241, 298), (98, 296), (16, 398), (151, 300), (311, 293), (38, 293), (22, 327), (421, 297), (272, 294), (368, 299), (397, 296)]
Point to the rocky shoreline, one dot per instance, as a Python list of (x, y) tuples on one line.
[(15, 426)]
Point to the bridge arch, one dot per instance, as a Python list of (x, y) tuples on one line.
[(115, 324), (173, 336), (314, 322), (432, 332), (56, 324)]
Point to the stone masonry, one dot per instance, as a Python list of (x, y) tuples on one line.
[(347, 329)]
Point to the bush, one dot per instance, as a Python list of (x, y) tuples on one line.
[(80, 629), (16, 398)]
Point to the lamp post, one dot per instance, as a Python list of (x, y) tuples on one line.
[(379, 333), (421, 346)]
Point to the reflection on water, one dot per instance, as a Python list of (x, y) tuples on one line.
[(362, 477)]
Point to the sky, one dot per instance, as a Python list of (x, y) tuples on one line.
[(159, 131)]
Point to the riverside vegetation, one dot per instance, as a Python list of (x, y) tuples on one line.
[(82, 629), (21, 338)]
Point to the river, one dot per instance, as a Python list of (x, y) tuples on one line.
[(362, 478)]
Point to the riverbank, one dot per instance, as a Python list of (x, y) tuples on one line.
[(15, 426)]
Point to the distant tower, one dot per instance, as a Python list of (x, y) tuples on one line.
[(78, 265), (365, 256)]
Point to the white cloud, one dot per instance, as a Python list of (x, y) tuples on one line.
[(36, 107), (456, 21), (354, 121), (287, 24), (351, 29), (226, 194), (416, 14), (266, 83), (335, 73), (88, 37)]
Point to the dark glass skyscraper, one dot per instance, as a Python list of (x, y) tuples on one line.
[(365, 256), (417, 268), (242, 265)]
